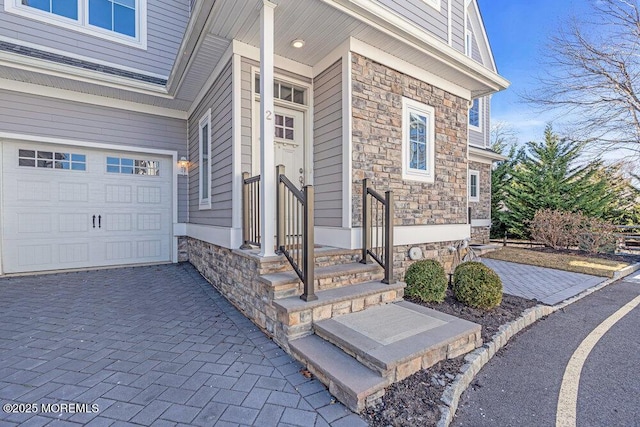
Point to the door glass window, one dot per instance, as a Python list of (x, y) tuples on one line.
[(284, 127)]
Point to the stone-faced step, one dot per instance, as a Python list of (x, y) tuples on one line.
[(296, 316), (353, 384), (287, 284), (397, 340)]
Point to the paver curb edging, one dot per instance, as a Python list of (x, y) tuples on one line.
[(479, 357)]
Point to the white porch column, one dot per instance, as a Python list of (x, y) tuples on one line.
[(267, 132)]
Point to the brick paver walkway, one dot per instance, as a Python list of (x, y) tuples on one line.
[(544, 284), (150, 346)]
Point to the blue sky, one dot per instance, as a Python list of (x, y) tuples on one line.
[(518, 31)]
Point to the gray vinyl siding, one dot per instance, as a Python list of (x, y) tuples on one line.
[(457, 24), (247, 109), (36, 115), (166, 22), (219, 99), (327, 146), (475, 48), (423, 15)]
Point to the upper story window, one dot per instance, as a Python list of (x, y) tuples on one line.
[(122, 21), (475, 115), (418, 141)]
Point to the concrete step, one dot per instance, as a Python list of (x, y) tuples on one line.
[(397, 340), (352, 383), (297, 316), (287, 284)]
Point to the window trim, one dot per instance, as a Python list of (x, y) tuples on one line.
[(408, 106), (480, 115), (204, 203), (82, 25), (475, 173)]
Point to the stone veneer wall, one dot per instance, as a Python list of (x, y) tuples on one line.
[(481, 209), (377, 145), (183, 249), (234, 273), (438, 251)]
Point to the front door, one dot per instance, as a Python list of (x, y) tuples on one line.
[(288, 144)]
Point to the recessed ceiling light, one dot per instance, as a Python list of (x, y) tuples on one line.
[(298, 43)]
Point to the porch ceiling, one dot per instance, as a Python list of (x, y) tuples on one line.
[(324, 27)]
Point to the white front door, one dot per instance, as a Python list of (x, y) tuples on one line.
[(288, 144), (74, 207)]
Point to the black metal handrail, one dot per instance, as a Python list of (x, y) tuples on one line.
[(377, 229), (250, 210), (294, 230)]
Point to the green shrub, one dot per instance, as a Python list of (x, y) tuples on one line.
[(426, 280), (476, 285)]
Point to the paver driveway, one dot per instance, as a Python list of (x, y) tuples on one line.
[(148, 345)]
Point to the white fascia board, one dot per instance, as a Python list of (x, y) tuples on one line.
[(351, 238), (86, 98), (253, 53), (347, 141), (180, 229), (220, 236), (42, 66), (481, 223), (193, 37), (236, 141), (484, 35), (382, 18), (484, 155), (371, 52)]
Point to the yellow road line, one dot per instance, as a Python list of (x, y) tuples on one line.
[(568, 398)]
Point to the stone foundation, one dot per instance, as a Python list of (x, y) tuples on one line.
[(183, 249), (438, 251), (480, 235)]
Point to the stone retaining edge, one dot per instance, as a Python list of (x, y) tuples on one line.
[(479, 357)]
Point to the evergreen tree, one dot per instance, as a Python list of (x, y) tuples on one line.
[(500, 180), (547, 175)]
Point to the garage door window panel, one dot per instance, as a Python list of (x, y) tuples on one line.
[(52, 160), (125, 165)]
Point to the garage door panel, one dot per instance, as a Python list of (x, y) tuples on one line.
[(48, 221)]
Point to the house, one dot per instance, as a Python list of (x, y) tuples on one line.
[(143, 131)]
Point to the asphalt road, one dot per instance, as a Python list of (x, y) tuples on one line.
[(520, 385)]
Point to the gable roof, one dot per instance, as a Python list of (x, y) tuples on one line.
[(477, 23)]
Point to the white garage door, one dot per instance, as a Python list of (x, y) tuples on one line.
[(71, 207)]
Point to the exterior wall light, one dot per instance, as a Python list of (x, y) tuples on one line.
[(184, 165)]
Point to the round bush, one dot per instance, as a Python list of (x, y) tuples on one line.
[(426, 280), (476, 285)]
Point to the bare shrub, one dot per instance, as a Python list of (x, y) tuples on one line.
[(596, 236), (556, 229)]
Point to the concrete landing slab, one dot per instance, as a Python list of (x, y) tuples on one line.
[(389, 323), (388, 336)]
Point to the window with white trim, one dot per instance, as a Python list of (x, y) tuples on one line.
[(418, 141), (475, 115), (474, 186), (122, 21), (204, 157)]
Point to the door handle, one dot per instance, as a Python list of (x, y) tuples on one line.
[(99, 221), (94, 221)]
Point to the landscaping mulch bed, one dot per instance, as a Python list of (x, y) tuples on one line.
[(414, 401), (628, 258)]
